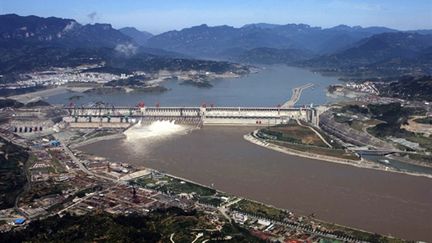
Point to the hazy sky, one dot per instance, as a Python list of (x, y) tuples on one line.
[(161, 15)]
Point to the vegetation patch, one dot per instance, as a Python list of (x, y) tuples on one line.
[(421, 157), (425, 120), (409, 87), (332, 152), (12, 172), (394, 115), (260, 210), (154, 227), (303, 139), (294, 133)]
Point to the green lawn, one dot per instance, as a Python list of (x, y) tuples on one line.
[(338, 153)]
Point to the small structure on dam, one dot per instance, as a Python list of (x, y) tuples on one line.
[(124, 116)]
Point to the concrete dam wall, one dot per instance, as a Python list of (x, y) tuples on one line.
[(265, 116)]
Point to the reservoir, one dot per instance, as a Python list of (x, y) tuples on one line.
[(377, 201), (269, 87)]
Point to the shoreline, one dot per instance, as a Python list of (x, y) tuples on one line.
[(248, 137), (409, 161), (95, 140), (46, 93), (49, 91), (41, 94), (370, 165)]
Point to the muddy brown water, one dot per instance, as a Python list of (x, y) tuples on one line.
[(377, 201)]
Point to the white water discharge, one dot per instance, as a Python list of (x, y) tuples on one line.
[(154, 130)]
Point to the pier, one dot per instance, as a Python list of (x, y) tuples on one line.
[(296, 94)]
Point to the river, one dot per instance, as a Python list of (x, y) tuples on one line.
[(377, 201)]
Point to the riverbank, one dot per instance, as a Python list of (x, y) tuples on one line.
[(252, 138), (97, 139), (46, 93), (365, 164)]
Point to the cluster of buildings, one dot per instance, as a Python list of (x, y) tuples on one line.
[(62, 76), (365, 87)]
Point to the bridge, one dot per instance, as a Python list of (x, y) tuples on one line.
[(264, 116)]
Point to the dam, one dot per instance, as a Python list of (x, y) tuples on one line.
[(264, 116)]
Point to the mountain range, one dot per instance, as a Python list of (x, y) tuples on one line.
[(33, 43), (140, 37), (212, 42), (46, 41), (394, 53), (16, 29)]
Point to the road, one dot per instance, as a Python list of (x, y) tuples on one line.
[(82, 166), (316, 132)]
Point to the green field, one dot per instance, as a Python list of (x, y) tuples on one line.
[(294, 133), (260, 210), (425, 142), (338, 153)]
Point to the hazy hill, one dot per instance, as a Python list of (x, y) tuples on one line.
[(33, 42), (385, 55), (217, 41), (382, 48), (411, 88), (265, 55), (140, 37)]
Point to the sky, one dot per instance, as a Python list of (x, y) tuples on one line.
[(158, 16)]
